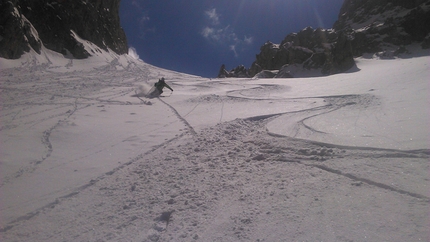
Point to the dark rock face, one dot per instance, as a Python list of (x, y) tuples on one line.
[(223, 73), (31, 23), (239, 71), (340, 57), (17, 35), (382, 27)]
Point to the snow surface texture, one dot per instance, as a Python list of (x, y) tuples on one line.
[(338, 158)]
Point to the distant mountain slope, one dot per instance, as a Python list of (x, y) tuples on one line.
[(381, 27), (57, 24)]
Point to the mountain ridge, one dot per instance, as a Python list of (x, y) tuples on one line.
[(382, 27)]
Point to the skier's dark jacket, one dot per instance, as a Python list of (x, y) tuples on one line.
[(161, 84)]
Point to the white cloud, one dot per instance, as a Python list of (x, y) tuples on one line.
[(223, 36), (132, 52), (248, 40), (143, 25), (233, 48), (213, 16), (137, 4), (208, 32), (143, 19), (220, 35)]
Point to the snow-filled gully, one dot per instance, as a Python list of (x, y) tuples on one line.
[(243, 141), (219, 160)]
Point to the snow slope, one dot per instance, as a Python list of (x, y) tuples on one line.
[(337, 158)]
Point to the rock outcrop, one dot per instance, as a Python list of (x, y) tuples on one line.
[(58, 24), (239, 71), (384, 27), (311, 48), (17, 34), (381, 27)]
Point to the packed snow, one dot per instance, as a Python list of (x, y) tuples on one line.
[(86, 156)]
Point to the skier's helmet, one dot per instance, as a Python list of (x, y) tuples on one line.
[(162, 79)]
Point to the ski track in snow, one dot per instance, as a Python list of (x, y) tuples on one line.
[(213, 185), (191, 129), (231, 181)]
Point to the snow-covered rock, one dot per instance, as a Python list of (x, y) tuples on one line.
[(58, 24)]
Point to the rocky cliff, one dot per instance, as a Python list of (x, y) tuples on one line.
[(58, 25), (381, 27), (384, 27)]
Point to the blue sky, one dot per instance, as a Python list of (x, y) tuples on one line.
[(198, 36)]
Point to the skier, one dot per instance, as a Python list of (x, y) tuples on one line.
[(161, 84)]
